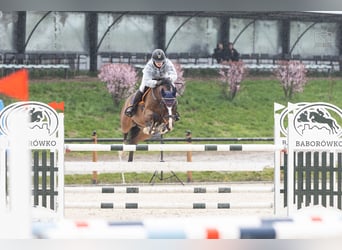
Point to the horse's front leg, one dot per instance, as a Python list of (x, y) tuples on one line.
[(167, 125), (121, 153), (170, 122), (149, 122), (149, 128)]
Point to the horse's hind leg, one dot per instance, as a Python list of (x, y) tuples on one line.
[(130, 156), (125, 135), (133, 134)]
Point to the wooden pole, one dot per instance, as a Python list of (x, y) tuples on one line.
[(94, 177), (189, 155)]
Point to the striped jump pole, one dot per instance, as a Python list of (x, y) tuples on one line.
[(169, 189), (173, 147), (304, 226), (173, 205)]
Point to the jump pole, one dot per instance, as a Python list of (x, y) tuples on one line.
[(169, 189), (174, 205), (174, 147)]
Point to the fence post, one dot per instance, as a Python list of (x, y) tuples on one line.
[(94, 177), (189, 155), (161, 152)]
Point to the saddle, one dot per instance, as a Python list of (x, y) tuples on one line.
[(142, 101)]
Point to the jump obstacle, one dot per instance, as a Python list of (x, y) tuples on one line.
[(174, 147), (201, 193), (169, 189), (162, 166), (277, 148), (300, 172), (169, 205)]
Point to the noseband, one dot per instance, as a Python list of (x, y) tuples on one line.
[(169, 101)]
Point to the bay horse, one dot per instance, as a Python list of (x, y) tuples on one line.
[(155, 114)]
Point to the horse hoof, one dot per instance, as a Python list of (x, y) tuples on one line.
[(164, 131), (146, 131)]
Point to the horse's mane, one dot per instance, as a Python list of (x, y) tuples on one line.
[(165, 89)]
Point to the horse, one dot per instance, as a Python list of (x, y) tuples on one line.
[(155, 114)]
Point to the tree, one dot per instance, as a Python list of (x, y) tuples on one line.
[(232, 74), (292, 76), (180, 82), (120, 79)]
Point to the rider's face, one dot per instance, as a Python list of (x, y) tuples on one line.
[(158, 64)]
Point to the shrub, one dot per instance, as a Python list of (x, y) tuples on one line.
[(231, 77), (120, 79), (292, 76)]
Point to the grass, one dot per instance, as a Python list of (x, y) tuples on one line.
[(207, 176), (203, 107)]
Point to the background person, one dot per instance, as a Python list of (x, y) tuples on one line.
[(231, 54), (219, 53)]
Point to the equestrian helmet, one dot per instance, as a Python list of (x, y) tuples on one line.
[(158, 55)]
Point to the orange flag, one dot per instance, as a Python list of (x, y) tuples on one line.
[(57, 105), (15, 85)]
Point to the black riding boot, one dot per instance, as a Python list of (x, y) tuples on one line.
[(131, 110)]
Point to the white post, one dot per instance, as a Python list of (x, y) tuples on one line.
[(16, 222), (277, 142), (290, 161), (3, 173), (60, 167)]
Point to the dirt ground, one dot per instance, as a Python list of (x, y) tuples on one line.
[(246, 203), (261, 159)]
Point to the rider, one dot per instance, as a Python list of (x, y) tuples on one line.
[(158, 67)]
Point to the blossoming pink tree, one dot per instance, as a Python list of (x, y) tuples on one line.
[(231, 77), (120, 79), (180, 82), (292, 76)]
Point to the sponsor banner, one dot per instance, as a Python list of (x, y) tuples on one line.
[(312, 126), (43, 123)]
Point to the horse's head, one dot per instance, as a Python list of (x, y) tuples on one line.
[(169, 97), (166, 82)]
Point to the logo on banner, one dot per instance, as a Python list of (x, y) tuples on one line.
[(318, 120), (43, 122), (313, 125)]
